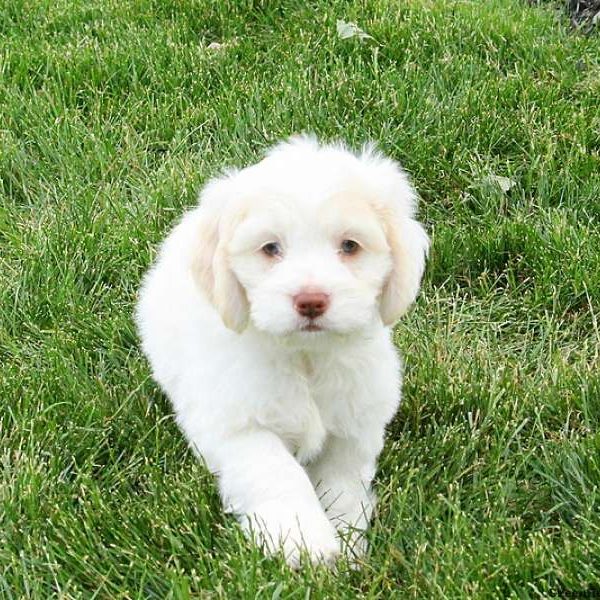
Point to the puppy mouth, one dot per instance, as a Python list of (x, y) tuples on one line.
[(311, 326)]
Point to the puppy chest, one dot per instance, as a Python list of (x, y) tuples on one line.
[(292, 413), (307, 407)]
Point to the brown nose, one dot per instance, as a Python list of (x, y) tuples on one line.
[(311, 304)]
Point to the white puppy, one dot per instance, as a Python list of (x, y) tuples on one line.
[(266, 320)]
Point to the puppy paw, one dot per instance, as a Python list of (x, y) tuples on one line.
[(277, 527), (320, 547)]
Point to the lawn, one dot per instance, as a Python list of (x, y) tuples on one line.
[(113, 114)]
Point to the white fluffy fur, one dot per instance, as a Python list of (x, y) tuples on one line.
[(291, 421)]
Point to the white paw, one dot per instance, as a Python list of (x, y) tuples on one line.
[(293, 530)]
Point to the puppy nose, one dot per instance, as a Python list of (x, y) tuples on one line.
[(311, 304)]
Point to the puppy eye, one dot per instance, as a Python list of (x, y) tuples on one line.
[(272, 249), (349, 247)]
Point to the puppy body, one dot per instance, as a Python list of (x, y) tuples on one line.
[(288, 404)]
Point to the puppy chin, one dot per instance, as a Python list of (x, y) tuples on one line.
[(312, 327), (296, 327), (306, 330)]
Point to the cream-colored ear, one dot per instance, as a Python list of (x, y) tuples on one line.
[(211, 269), (395, 202), (409, 245)]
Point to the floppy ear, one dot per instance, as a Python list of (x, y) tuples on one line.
[(409, 245), (216, 223), (395, 201)]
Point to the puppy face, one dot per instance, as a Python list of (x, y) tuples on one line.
[(311, 240)]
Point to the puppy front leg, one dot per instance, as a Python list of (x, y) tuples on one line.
[(342, 478), (262, 483)]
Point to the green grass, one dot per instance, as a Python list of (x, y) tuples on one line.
[(112, 115)]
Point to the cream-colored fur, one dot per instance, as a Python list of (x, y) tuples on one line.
[(288, 410)]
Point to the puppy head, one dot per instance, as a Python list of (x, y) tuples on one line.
[(311, 239)]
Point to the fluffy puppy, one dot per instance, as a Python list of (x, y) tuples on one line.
[(266, 321)]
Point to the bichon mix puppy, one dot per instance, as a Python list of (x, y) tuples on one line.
[(266, 320)]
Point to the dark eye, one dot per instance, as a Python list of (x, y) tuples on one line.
[(272, 249), (349, 247)]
